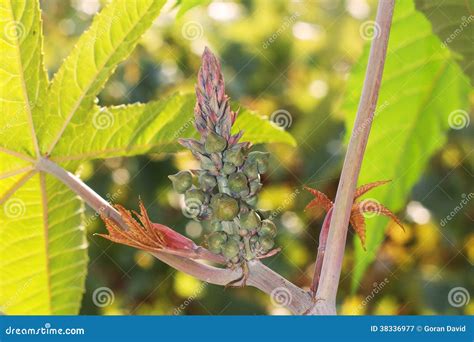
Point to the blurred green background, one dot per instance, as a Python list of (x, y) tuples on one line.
[(304, 72)]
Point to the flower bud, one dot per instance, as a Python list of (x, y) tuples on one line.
[(231, 249), (250, 169), (207, 181), (267, 228), (255, 186), (252, 201), (195, 196), (182, 181), (266, 243), (261, 159), (228, 168), (249, 220), (238, 182), (224, 207), (207, 163), (212, 226), (214, 143), (216, 240), (234, 156)]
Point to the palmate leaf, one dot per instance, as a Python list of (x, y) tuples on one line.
[(421, 86), (43, 255), (151, 127), (453, 22)]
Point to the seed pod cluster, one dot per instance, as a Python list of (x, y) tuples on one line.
[(223, 192)]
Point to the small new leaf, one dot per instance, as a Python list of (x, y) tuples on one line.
[(357, 219), (153, 237)]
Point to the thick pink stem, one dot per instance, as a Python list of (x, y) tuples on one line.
[(334, 254), (323, 238)]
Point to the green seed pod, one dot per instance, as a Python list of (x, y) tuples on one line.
[(207, 181), (266, 243), (234, 156), (216, 225), (249, 220), (238, 182), (252, 201), (231, 249), (267, 228), (250, 169), (228, 168), (216, 240), (224, 207), (182, 181), (261, 158), (207, 163), (195, 196), (215, 143), (255, 186)]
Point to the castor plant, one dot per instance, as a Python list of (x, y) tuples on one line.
[(223, 192)]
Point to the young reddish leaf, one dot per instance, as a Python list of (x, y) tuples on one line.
[(357, 221), (320, 200), (367, 187), (370, 206), (153, 237)]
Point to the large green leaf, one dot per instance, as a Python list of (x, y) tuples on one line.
[(155, 126), (110, 39), (453, 23), (43, 249), (421, 87), (23, 80), (43, 257)]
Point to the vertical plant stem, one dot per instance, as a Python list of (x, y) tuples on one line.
[(331, 268)]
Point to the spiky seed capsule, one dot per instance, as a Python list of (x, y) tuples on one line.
[(261, 159), (195, 196), (182, 181), (250, 169), (216, 240), (250, 220), (228, 168), (238, 182), (215, 143), (266, 243), (234, 156), (224, 207), (207, 181), (231, 249), (267, 228)]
